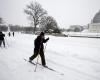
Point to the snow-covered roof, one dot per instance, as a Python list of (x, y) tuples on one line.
[(96, 18)]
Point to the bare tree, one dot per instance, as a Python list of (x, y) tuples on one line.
[(35, 12), (48, 23)]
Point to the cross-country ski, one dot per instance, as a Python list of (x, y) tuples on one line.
[(34, 63)]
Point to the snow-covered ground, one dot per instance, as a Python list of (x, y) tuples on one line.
[(83, 34), (77, 58)]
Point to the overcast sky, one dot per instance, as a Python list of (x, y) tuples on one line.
[(66, 12)]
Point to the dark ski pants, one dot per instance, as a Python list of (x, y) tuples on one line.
[(2, 41), (41, 53)]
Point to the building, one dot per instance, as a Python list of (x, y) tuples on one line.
[(94, 26)]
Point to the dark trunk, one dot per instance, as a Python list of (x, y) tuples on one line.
[(34, 28)]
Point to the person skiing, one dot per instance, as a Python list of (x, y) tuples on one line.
[(13, 34), (9, 34), (39, 48), (2, 39)]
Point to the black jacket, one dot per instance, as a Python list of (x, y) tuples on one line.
[(38, 43), (2, 36)]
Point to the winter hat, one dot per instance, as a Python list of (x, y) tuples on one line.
[(42, 34)]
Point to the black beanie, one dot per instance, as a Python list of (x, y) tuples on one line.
[(42, 33)]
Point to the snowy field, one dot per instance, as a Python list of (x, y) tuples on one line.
[(77, 58), (83, 34)]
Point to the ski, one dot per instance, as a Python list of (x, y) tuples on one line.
[(45, 67), (30, 62), (51, 69)]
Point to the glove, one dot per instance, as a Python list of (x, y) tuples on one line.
[(48, 38)]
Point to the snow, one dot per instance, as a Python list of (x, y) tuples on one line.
[(83, 34), (77, 58)]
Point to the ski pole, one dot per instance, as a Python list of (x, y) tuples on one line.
[(37, 59), (6, 41), (36, 64)]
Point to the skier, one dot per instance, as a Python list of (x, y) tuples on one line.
[(39, 48), (9, 34), (2, 39), (13, 34)]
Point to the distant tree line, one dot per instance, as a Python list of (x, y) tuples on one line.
[(47, 24), (29, 29), (1, 21), (75, 28), (18, 28), (2, 26)]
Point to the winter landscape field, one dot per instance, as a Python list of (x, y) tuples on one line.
[(77, 58)]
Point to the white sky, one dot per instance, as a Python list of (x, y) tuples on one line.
[(66, 12)]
